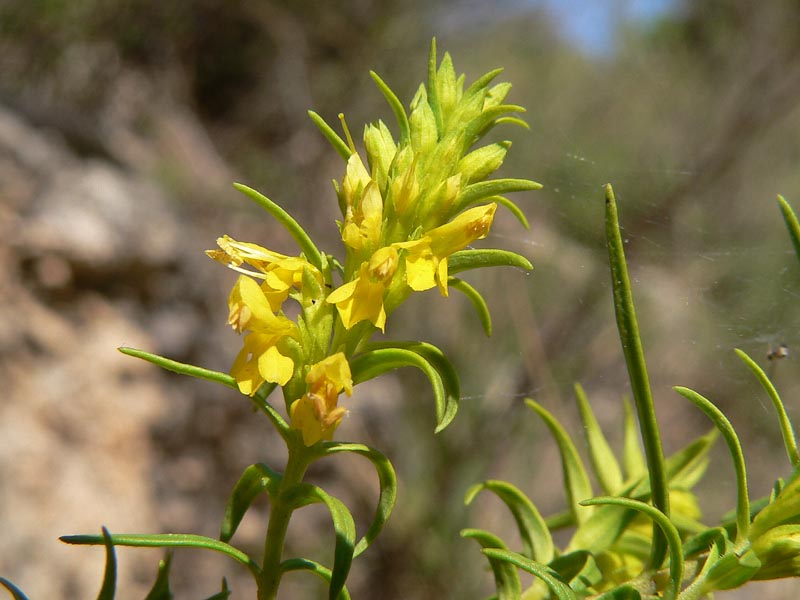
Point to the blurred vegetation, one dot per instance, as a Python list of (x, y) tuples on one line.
[(693, 117)]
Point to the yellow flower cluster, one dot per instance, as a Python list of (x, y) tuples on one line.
[(403, 216)]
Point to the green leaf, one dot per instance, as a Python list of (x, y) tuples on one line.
[(337, 142), (259, 399), (343, 524), (791, 223), (372, 363), (637, 370), (481, 83), (576, 481), (256, 479), (464, 260), (447, 372), (632, 456), (558, 588), (506, 578), (701, 542), (578, 569), (623, 592), (604, 462), (602, 529), (730, 571), (512, 208), (166, 540), (223, 593), (536, 539), (476, 192), (490, 117), (388, 487), (396, 105), (432, 88), (181, 368), (789, 440), (307, 247), (735, 448), (15, 591), (783, 510), (477, 301), (108, 588), (683, 465), (673, 538), (304, 564), (160, 589)]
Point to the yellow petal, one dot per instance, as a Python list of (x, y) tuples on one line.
[(275, 367)]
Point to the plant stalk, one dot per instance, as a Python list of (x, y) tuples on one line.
[(280, 513), (637, 371)]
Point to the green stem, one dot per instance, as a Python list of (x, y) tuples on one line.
[(279, 516), (637, 371)]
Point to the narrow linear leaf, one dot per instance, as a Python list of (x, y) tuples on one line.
[(731, 571), (490, 117), (791, 223), (445, 369), (579, 569), (160, 589), (512, 208), (603, 528), (475, 192), (259, 399), (604, 462), (506, 578), (481, 83), (682, 466), (783, 510), (637, 371), (576, 481), (632, 456), (559, 589), (343, 525), (307, 247), (304, 564), (166, 540), (623, 592), (433, 89), (255, 480), (560, 520), (109, 587), (477, 300), (789, 440), (181, 368), (396, 106), (671, 534), (536, 539), (223, 593), (337, 142), (464, 260), (16, 593), (512, 121), (388, 487), (724, 426), (372, 363)]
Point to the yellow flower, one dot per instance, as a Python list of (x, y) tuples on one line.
[(279, 272), (362, 298), (426, 261), (316, 414), (363, 216), (259, 359)]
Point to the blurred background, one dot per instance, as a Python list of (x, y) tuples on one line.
[(123, 124)]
